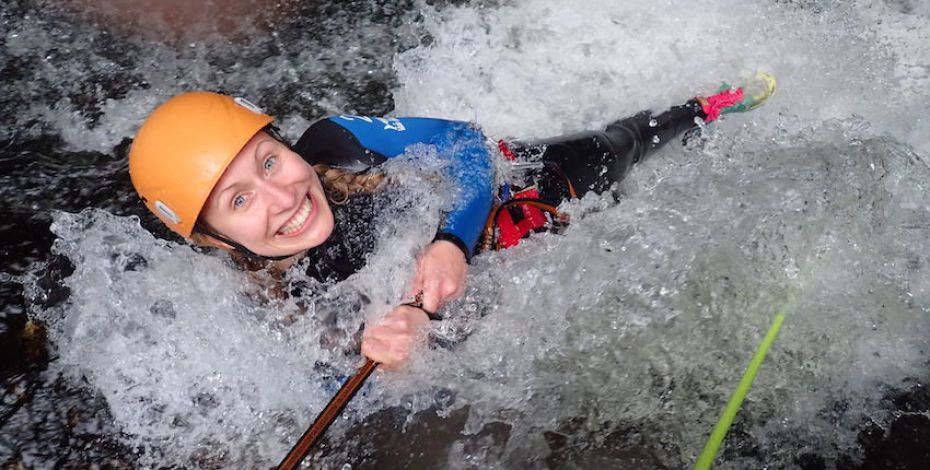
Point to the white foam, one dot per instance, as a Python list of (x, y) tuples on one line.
[(538, 67)]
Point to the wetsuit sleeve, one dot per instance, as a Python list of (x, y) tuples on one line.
[(358, 143)]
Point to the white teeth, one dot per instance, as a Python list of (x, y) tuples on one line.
[(297, 219)]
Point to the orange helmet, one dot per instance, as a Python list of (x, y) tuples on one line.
[(184, 147)]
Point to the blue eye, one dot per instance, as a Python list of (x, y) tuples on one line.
[(270, 162), (238, 201)]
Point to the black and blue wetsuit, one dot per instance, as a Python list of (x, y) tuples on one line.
[(358, 143), (589, 161)]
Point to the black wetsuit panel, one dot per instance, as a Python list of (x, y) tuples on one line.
[(332, 144), (347, 248), (594, 160)]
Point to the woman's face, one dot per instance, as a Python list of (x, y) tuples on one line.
[(269, 200)]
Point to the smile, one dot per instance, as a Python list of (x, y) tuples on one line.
[(299, 221)]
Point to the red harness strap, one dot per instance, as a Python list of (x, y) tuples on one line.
[(505, 150), (517, 220)]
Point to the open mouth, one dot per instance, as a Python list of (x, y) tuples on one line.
[(299, 221)]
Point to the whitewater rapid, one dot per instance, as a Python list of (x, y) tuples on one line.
[(637, 322)]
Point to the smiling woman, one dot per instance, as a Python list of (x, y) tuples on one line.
[(215, 170)]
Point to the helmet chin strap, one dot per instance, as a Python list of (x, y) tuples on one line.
[(251, 255)]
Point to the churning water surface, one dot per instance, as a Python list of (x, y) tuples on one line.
[(614, 345)]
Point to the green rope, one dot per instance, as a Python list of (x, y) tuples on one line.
[(706, 459)]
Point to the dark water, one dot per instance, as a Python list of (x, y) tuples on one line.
[(75, 64)]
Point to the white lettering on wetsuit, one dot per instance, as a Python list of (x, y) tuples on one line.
[(390, 124)]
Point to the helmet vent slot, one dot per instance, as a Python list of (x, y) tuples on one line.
[(167, 212), (248, 105)]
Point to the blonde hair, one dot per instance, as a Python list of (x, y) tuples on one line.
[(340, 184)]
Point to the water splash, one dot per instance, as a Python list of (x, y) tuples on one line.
[(636, 322)]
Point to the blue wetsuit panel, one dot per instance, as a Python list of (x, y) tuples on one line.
[(359, 142)]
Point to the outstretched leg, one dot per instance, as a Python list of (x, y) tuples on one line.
[(594, 160)]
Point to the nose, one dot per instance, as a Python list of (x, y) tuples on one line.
[(280, 198)]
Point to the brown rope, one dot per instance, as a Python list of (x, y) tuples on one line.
[(327, 416)]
